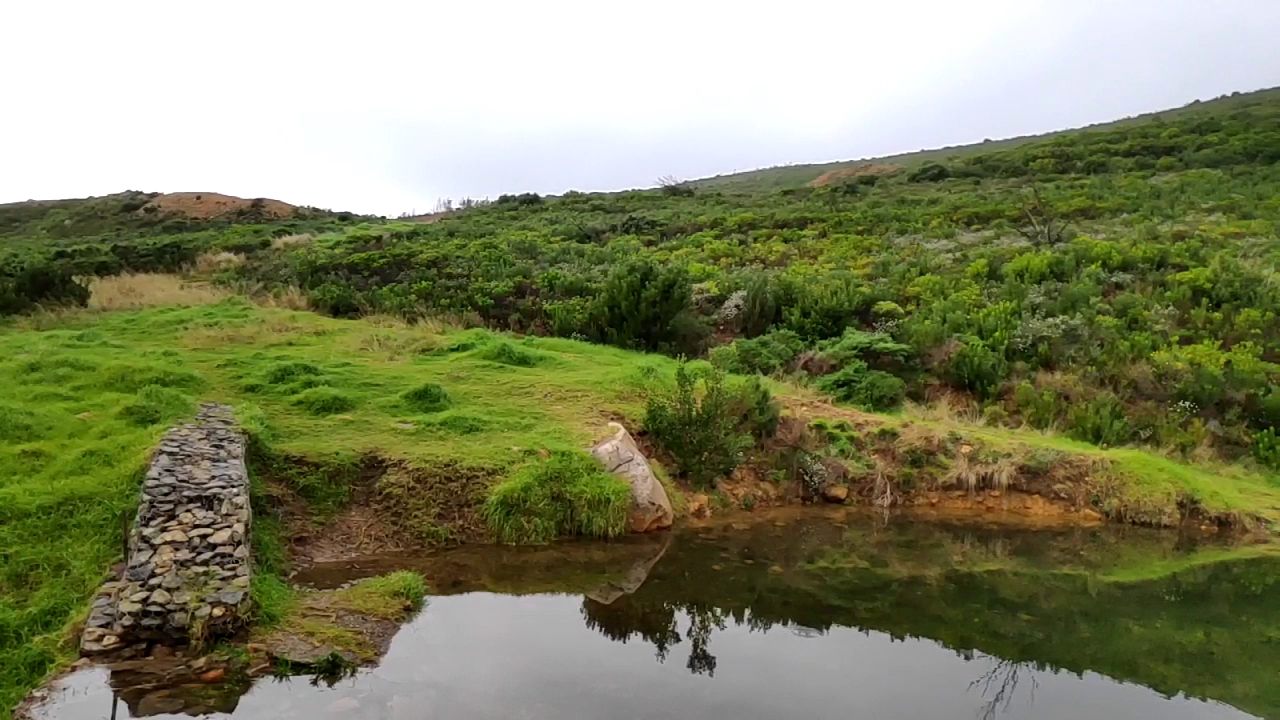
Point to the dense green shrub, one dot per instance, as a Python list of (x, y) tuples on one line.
[(568, 493), (34, 282), (869, 389), (647, 306), (766, 355), (1100, 421), (1266, 448), (759, 412), (977, 368), (875, 349), (700, 431)]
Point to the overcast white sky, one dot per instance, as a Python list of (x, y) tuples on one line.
[(386, 106)]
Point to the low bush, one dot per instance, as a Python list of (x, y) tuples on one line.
[(767, 354), (976, 368), (1266, 448), (868, 389), (757, 409), (567, 493), (1100, 421), (701, 431)]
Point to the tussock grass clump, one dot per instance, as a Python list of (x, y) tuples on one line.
[(387, 596), (156, 404), (287, 241), (456, 423), (324, 401), (132, 378), (17, 425), (567, 493), (289, 372), (427, 397), (508, 353)]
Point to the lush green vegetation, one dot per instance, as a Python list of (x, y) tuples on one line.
[(45, 246), (91, 393), (1118, 286)]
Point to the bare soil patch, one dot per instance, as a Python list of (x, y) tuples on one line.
[(208, 206)]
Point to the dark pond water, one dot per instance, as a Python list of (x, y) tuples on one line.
[(832, 617)]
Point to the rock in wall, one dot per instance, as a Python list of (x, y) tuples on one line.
[(188, 565)]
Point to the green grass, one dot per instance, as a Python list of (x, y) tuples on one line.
[(80, 386), (89, 395), (386, 596), (565, 494)]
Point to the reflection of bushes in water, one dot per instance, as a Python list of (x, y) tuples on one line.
[(657, 624), (1207, 631)]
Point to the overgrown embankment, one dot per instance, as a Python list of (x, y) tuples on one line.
[(417, 422)]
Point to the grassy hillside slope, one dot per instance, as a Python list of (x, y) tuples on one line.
[(797, 176)]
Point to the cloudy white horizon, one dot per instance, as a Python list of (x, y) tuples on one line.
[(385, 107)]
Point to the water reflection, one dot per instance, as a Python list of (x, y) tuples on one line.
[(814, 620)]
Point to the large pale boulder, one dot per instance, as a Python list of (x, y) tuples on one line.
[(650, 508)]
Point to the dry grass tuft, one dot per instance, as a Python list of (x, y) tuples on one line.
[(214, 261), (281, 243), (289, 298), (945, 408), (131, 291)]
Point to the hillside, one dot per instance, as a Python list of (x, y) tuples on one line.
[(795, 176)]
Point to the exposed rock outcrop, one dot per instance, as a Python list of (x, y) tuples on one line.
[(188, 561), (650, 507)]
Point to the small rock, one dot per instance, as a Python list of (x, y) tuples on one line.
[(161, 596), (835, 493), (173, 536), (213, 676)]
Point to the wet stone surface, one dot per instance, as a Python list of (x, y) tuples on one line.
[(188, 563)]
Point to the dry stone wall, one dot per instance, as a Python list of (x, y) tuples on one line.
[(188, 565)]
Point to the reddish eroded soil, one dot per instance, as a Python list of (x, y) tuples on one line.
[(207, 206)]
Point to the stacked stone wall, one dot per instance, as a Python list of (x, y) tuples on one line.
[(188, 565)]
